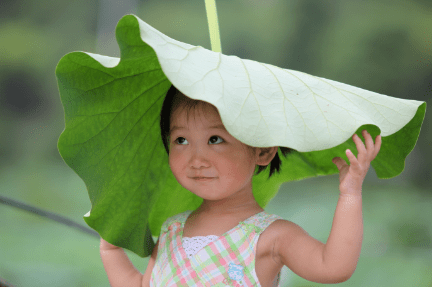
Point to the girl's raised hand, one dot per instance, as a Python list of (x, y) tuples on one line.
[(351, 176)]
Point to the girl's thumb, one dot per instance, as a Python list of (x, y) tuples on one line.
[(336, 161)]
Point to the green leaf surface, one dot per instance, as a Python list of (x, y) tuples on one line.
[(112, 135)]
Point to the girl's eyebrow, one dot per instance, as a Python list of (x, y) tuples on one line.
[(219, 126)]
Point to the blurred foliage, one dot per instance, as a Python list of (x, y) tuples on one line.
[(382, 46)]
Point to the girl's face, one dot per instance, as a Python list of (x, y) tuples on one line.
[(202, 147)]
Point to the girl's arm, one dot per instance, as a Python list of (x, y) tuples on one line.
[(150, 265), (121, 272), (342, 250), (333, 262), (336, 260)]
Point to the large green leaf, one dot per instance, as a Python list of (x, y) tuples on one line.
[(112, 135)]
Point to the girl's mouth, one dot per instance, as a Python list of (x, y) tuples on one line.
[(203, 178)]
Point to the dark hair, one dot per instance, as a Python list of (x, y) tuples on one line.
[(174, 98)]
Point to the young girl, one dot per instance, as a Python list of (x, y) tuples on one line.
[(230, 240)]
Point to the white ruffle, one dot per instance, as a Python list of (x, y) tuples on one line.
[(194, 244)]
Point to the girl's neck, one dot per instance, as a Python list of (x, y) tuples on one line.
[(225, 209)]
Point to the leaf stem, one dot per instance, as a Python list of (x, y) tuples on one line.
[(47, 214), (213, 24)]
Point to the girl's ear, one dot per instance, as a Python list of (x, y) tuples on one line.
[(266, 155)]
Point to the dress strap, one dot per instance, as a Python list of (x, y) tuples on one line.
[(181, 217), (261, 221)]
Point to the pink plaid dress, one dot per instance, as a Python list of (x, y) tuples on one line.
[(227, 261)]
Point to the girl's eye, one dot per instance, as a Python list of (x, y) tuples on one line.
[(216, 137), (212, 137), (176, 141)]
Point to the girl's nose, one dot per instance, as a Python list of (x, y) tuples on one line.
[(199, 158)]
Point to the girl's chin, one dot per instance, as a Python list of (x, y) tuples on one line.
[(211, 195)]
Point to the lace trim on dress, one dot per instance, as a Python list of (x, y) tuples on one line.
[(194, 244)]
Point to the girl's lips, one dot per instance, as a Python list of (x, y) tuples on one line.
[(203, 178)]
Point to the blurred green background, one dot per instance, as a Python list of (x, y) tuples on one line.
[(382, 46)]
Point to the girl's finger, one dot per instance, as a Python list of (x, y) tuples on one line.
[(369, 144), (377, 145), (353, 160), (339, 162), (354, 163), (362, 154)]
